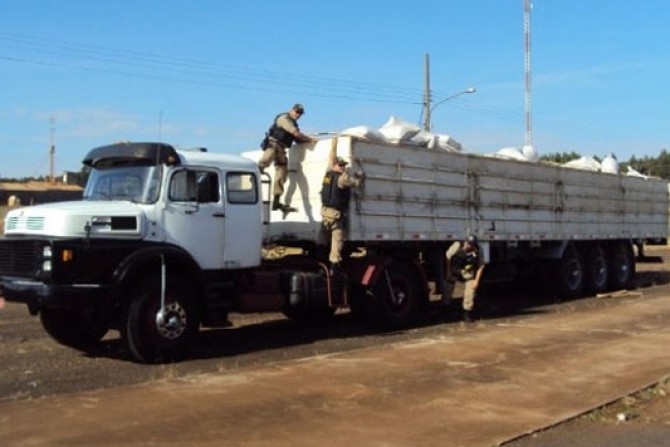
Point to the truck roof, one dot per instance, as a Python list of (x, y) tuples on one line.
[(151, 153), (227, 161)]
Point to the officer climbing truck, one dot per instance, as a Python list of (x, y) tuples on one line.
[(167, 241)]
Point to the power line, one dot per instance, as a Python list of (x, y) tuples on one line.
[(137, 64), (47, 52)]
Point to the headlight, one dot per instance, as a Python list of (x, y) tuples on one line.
[(46, 266), (47, 252)]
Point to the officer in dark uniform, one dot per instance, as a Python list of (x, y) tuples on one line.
[(335, 195), (281, 135)]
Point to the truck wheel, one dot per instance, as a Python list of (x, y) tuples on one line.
[(570, 274), (596, 270), (621, 265), (152, 337), (76, 329), (396, 299)]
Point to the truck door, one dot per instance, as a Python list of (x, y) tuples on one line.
[(194, 215), (244, 221)]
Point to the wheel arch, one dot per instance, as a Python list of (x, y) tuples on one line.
[(145, 262), (369, 271)]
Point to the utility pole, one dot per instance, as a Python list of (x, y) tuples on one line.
[(426, 94), (52, 149)]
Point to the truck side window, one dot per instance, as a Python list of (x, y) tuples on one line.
[(208, 187), (241, 187), (181, 188), (192, 186)]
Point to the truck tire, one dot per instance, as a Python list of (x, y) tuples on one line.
[(621, 265), (396, 299), (596, 270), (150, 339), (72, 328), (570, 274)]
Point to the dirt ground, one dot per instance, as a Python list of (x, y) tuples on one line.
[(34, 368)]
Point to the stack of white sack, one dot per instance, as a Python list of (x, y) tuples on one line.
[(609, 164), (398, 131)]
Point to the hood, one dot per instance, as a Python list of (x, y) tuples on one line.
[(95, 219)]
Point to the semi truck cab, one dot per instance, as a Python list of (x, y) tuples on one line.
[(149, 213)]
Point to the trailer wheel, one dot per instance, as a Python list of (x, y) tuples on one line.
[(570, 274), (155, 337), (396, 299), (596, 270), (621, 265), (72, 328)]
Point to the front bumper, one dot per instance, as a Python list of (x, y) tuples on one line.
[(37, 294)]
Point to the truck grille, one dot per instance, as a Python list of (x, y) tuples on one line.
[(20, 258), (25, 223)]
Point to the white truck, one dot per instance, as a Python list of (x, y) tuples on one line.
[(167, 241)]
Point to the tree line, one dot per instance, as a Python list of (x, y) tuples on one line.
[(651, 166)]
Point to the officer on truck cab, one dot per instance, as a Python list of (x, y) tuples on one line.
[(281, 135)]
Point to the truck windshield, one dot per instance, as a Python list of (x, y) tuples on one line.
[(140, 184)]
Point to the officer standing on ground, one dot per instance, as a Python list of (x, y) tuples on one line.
[(281, 135), (464, 263), (335, 195)]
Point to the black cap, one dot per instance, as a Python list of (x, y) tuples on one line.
[(472, 240), (341, 161), (298, 108)]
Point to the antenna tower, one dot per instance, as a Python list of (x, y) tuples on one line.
[(528, 84)]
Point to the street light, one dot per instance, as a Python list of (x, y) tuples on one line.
[(427, 124)]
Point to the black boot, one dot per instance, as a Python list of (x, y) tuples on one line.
[(276, 205), (335, 269), (467, 316)]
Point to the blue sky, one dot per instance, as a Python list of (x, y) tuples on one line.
[(208, 73)]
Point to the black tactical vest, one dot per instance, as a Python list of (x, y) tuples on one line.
[(463, 262), (279, 134), (331, 195)]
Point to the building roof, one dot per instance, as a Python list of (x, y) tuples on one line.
[(35, 186)]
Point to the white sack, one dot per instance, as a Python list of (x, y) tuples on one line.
[(530, 153), (610, 164), (448, 144), (424, 139), (364, 132), (397, 131), (586, 163), (510, 153), (633, 173)]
